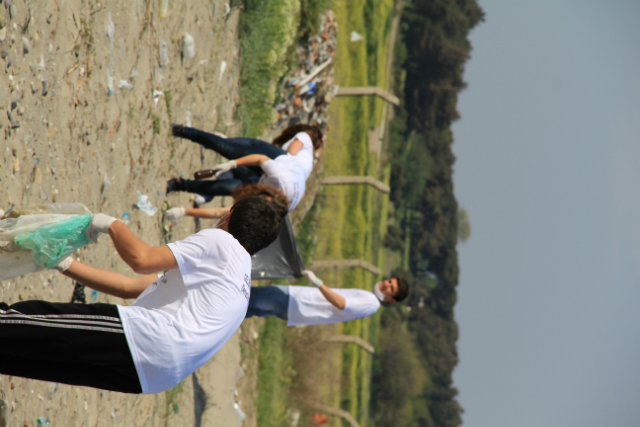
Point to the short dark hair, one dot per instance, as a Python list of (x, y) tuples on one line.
[(403, 289), (255, 223)]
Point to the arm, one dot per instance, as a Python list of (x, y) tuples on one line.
[(175, 214), (206, 213), (252, 160), (295, 146), (334, 298), (142, 258), (108, 282)]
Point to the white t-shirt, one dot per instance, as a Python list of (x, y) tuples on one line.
[(307, 306), (287, 174), (305, 155), (181, 320)]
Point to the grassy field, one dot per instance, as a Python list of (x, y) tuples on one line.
[(353, 218), (345, 222), (268, 30)]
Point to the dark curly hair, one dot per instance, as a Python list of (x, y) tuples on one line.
[(274, 195), (313, 131), (255, 223)]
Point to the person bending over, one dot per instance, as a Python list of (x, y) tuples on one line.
[(303, 305), (177, 323), (253, 161), (273, 195)]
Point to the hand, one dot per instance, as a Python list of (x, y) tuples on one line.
[(174, 214), (100, 223), (64, 264), (312, 278), (224, 167)]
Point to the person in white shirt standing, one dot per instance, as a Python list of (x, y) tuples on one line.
[(177, 323), (302, 305), (285, 164)]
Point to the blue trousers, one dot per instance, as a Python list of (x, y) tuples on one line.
[(225, 183), (269, 301), (231, 148)]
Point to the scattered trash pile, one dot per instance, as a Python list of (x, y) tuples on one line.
[(308, 90)]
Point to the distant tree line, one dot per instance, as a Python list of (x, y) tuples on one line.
[(412, 383)]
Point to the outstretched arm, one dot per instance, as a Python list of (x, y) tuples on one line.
[(252, 160), (210, 213), (175, 214), (108, 282), (142, 258), (334, 298)]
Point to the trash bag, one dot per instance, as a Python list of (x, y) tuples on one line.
[(52, 208), (52, 243), (17, 260), (279, 260)]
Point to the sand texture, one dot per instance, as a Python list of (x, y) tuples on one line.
[(76, 142)]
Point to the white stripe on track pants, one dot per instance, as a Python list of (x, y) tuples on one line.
[(77, 344)]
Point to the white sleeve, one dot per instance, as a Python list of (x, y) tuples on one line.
[(275, 169), (305, 139), (365, 304), (201, 257)]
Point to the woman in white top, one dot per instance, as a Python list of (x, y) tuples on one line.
[(285, 164)]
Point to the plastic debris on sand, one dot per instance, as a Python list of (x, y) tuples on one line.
[(145, 205)]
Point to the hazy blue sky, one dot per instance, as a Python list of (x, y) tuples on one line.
[(548, 167)]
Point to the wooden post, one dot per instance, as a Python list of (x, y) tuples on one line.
[(353, 339), (347, 180), (367, 91), (345, 263)]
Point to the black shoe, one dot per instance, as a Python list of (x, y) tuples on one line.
[(175, 184), (177, 130)]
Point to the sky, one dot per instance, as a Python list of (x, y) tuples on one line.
[(548, 167)]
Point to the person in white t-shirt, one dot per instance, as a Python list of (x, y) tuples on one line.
[(177, 323), (285, 164), (302, 305)]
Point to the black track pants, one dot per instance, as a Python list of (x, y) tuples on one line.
[(77, 344)]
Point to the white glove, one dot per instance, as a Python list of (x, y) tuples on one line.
[(224, 167), (99, 224), (64, 264), (312, 278), (174, 214)]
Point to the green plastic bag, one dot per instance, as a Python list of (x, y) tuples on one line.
[(52, 243)]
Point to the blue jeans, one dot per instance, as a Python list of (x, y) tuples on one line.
[(232, 148), (225, 183), (269, 301)]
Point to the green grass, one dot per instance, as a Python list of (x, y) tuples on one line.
[(267, 31), (274, 375), (310, 13), (346, 221), (354, 218), (172, 397)]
